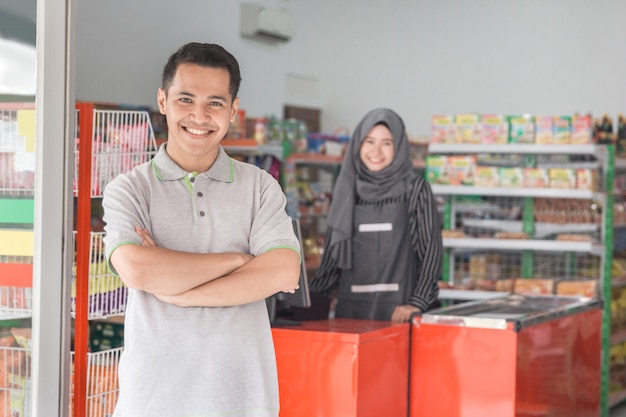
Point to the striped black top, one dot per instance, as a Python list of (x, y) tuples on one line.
[(425, 230)]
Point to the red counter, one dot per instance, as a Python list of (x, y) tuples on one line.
[(546, 368), (343, 368)]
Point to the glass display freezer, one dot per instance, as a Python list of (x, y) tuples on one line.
[(518, 355)]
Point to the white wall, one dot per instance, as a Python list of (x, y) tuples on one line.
[(419, 57)]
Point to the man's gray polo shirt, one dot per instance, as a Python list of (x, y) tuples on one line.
[(197, 361)]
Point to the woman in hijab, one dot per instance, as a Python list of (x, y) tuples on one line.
[(383, 243)]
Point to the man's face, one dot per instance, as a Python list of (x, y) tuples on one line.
[(199, 109)]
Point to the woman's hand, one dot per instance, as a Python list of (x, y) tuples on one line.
[(403, 313)]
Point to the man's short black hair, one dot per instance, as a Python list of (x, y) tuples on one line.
[(205, 55)]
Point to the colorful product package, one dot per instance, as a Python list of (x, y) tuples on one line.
[(487, 176), (442, 129), (536, 177), (562, 130), (582, 129), (511, 177), (462, 169), (562, 178), (522, 128), (586, 179), (437, 170), (468, 128), (544, 130), (495, 128)]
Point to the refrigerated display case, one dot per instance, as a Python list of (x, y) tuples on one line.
[(518, 355), (342, 367)]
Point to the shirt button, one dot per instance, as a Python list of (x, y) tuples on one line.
[(200, 194), (192, 179), (202, 214)]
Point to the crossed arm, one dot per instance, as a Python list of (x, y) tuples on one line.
[(205, 280)]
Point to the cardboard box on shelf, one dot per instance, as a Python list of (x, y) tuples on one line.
[(536, 177), (511, 177), (462, 169), (562, 178), (442, 129), (487, 176), (468, 128), (544, 130), (562, 130), (495, 128), (522, 128), (437, 170)]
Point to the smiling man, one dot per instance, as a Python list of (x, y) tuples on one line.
[(200, 240)]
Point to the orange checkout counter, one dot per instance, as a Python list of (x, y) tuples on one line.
[(514, 356)]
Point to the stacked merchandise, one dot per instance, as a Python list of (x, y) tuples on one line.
[(500, 129), (496, 173)]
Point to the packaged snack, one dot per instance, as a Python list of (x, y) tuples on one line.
[(511, 177), (505, 284), (588, 288), (462, 169), (582, 129), (534, 286), (562, 130), (442, 129), (495, 128), (487, 176), (543, 130), (562, 178), (586, 179), (437, 170), (468, 128), (536, 177), (522, 128)]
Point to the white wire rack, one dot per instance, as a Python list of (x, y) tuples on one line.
[(122, 139), (102, 383), (107, 293), (15, 380)]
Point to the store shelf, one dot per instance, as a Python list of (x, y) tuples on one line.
[(541, 229), (517, 209), (523, 244), (517, 192), (512, 148)]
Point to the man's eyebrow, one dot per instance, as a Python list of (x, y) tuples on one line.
[(217, 97)]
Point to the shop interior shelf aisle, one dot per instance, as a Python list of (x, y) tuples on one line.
[(528, 218), (109, 141)]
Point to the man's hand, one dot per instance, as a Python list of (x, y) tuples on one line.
[(402, 313), (146, 238)]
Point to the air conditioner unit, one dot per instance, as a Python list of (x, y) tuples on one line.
[(263, 23)]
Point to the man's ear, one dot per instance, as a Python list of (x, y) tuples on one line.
[(161, 100)]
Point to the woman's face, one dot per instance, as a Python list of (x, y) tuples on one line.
[(377, 149)]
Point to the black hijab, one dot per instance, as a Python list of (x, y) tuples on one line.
[(355, 180)]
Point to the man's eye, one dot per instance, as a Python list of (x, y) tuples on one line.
[(216, 103), (184, 100)]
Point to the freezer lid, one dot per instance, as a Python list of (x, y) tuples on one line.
[(518, 309)]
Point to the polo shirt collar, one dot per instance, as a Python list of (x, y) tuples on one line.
[(167, 170)]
